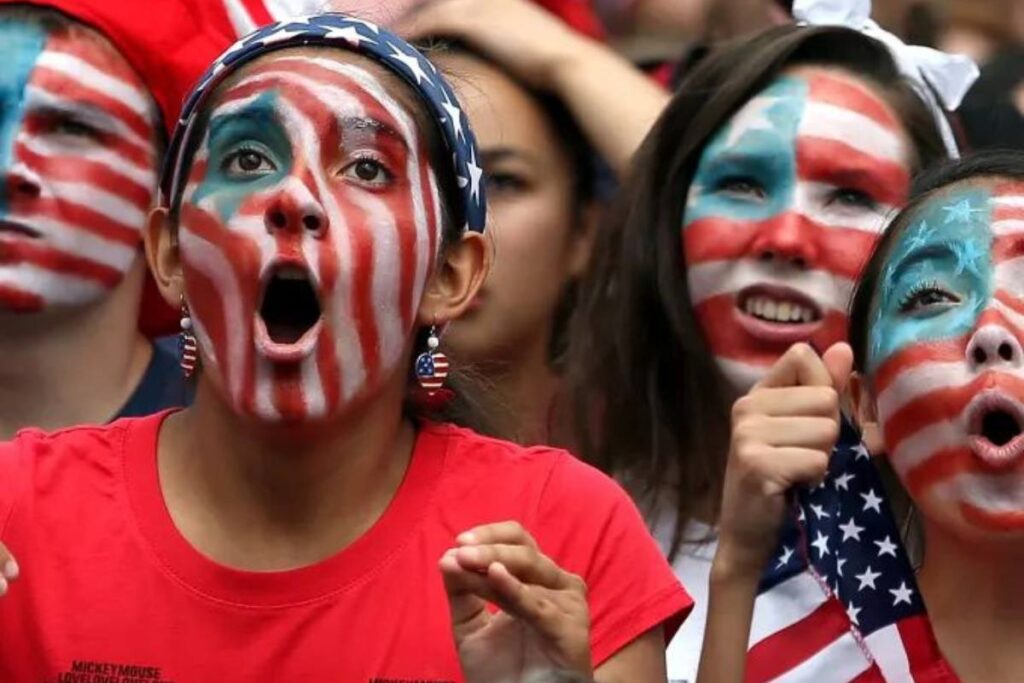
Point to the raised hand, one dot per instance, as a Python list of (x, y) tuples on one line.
[(542, 622), (8, 569), (783, 432)]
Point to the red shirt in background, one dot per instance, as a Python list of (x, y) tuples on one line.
[(110, 591)]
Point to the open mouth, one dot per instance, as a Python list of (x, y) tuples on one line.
[(778, 313), (290, 313), (19, 229), (996, 429)]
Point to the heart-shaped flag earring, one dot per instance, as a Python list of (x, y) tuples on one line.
[(432, 365)]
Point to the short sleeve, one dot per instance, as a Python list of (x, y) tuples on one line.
[(15, 474), (590, 526)]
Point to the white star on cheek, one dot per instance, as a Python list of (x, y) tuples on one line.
[(901, 594), (753, 116)]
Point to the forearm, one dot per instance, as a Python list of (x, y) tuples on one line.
[(615, 103), (727, 631)]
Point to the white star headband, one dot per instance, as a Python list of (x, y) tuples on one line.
[(942, 79), (356, 35)]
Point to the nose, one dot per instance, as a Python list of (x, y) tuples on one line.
[(787, 238), (295, 209), (993, 346)]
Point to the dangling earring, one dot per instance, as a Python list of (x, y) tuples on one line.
[(187, 341), (432, 365)]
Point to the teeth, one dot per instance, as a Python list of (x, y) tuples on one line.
[(778, 311)]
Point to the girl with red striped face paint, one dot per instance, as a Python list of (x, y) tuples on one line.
[(754, 203), (308, 227)]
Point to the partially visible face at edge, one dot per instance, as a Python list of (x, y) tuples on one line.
[(534, 221), (78, 162), (309, 225), (945, 358), (787, 203)]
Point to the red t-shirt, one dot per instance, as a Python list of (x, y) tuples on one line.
[(111, 592)]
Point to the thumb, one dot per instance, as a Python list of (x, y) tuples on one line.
[(838, 360)]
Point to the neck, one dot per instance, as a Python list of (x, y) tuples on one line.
[(527, 386), (979, 635), (274, 497), (72, 367)]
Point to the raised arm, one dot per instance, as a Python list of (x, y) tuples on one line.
[(614, 103)]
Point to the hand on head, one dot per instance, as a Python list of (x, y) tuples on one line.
[(783, 432), (543, 622)]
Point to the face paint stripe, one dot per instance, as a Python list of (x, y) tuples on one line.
[(999, 522), (288, 396), (938, 351), (86, 220), (943, 404), (111, 207), (826, 122), (68, 168), (718, 278), (852, 94), (53, 288), (131, 151), (834, 243), (939, 467), (57, 261), (17, 300), (73, 68), (839, 164), (329, 371), (314, 400)]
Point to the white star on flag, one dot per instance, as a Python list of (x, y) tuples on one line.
[(851, 530), (843, 481), (784, 558), (852, 611), (454, 114), (867, 578), (821, 544), (861, 451), (475, 174), (350, 35), (839, 567), (871, 501), (901, 594), (819, 511), (886, 547), (412, 64)]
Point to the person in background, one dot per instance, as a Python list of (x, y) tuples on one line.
[(753, 205), (937, 347), (304, 510), (541, 103), (89, 86)]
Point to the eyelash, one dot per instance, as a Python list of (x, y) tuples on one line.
[(853, 197), (505, 181), (729, 185), (364, 158), (913, 299), (238, 153)]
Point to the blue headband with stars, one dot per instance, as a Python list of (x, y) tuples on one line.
[(356, 35)]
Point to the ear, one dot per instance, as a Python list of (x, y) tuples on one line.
[(164, 259), (456, 280), (583, 239), (866, 413)]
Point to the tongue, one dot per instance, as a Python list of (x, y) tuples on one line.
[(999, 427), (290, 308)]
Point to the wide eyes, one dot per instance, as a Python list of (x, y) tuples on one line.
[(368, 171), (248, 163), (927, 298)]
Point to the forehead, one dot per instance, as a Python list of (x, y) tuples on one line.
[(328, 83), (816, 102), (75, 53)]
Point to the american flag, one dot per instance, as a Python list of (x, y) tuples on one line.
[(839, 601), (799, 140)]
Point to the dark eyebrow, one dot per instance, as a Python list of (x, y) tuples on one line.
[(362, 123), (82, 112)]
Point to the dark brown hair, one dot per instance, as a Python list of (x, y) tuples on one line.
[(652, 407)]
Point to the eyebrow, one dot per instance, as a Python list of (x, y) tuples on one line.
[(86, 112), (495, 155), (936, 250), (363, 123)]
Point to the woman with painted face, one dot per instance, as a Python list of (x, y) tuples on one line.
[(88, 86), (322, 226), (937, 335), (754, 203)]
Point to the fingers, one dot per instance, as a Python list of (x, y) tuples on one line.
[(467, 595), (510, 533), (772, 471), (838, 360), (525, 562), (819, 433), (799, 366), (818, 401), (9, 569)]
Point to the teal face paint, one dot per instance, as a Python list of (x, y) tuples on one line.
[(23, 43), (255, 130), (944, 253)]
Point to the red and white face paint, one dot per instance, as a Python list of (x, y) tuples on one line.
[(77, 130), (786, 205), (309, 226), (946, 359)]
